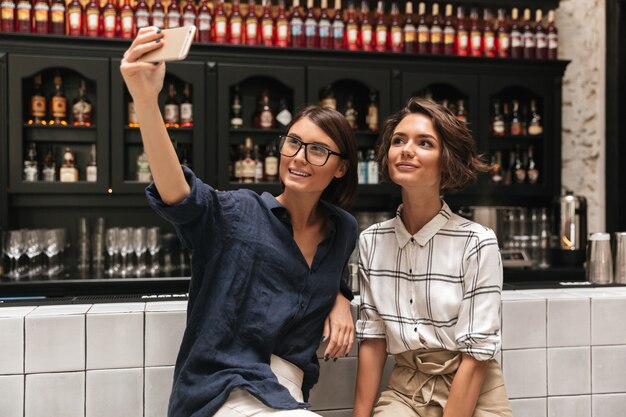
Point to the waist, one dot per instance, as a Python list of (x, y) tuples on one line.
[(286, 370), (430, 361)]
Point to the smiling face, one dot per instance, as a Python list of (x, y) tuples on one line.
[(414, 153)]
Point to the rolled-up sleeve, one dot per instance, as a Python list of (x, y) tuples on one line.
[(478, 328), (369, 324)]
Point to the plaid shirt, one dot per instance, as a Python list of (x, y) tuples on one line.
[(439, 288)]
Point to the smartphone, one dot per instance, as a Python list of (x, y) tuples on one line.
[(177, 43)]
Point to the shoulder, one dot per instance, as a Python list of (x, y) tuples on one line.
[(460, 224), (344, 218)]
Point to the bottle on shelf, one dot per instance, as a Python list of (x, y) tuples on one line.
[(553, 36), (541, 37), (41, 10), (476, 36), (7, 16), (270, 164), (258, 164), (352, 29), (110, 19), (409, 30), (283, 116), (509, 174), (462, 34), (311, 30), (381, 37), (220, 23), (58, 105), (519, 169), (143, 173), (172, 108), (497, 120), (534, 121), (248, 164), (37, 103), (338, 27), (489, 35), (185, 159), (372, 119), (327, 98), (205, 23), (158, 14), (361, 168), (366, 31), (75, 22), (351, 114), (236, 121), (142, 15), (92, 22), (267, 25), (436, 32), (449, 32), (68, 171), (238, 173), (91, 172), (461, 113), (127, 21), (281, 35), (57, 17), (133, 121), (496, 172), (396, 33), (516, 125), (235, 24), (172, 17), (189, 15), (251, 25), (296, 26), (24, 16), (186, 108), (324, 26), (31, 169), (48, 166), (517, 41), (81, 107), (372, 167), (502, 36), (528, 36), (532, 171), (264, 116)]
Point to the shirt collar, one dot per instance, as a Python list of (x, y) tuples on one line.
[(427, 232), (281, 212)]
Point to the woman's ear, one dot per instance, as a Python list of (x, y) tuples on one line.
[(341, 169)]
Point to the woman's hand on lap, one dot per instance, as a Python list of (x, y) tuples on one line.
[(339, 329)]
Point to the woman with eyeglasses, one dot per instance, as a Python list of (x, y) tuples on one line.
[(430, 281), (266, 283)]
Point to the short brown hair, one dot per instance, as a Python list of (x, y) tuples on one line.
[(460, 163), (340, 191)]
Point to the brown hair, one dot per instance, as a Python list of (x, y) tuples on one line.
[(460, 164), (340, 191)]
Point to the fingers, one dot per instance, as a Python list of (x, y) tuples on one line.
[(146, 34), (148, 39), (326, 332), (134, 54)]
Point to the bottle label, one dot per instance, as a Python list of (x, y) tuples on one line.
[(266, 119), (57, 13), (92, 20), (38, 106), (463, 39), (251, 29), (516, 39), (310, 27), (284, 117), (396, 37), (338, 29), (362, 172), (516, 128), (41, 12), (8, 10), (173, 20), (541, 41), (186, 113), (248, 170), (48, 173), (204, 22), (372, 172), (498, 127), (490, 41), (282, 31), (220, 27), (109, 21), (448, 36), (127, 22), (366, 34), (235, 28), (296, 28), (158, 19), (353, 33), (30, 171), (189, 18), (68, 174), (533, 176), (81, 111), (59, 107), (422, 34), (236, 122), (381, 36), (372, 118), (172, 113), (143, 18), (529, 40), (409, 34), (476, 40), (268, 29), (92, 174), (271, 166), (324, 29), (503, 41), (553, 41), (520, 175), (23, 11), (258, 172)]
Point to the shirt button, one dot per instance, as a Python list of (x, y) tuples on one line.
[(410, 271), (412, 240), (415, 330), (411, 301), (301, 305)]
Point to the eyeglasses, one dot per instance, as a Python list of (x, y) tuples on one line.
[(314, 153)]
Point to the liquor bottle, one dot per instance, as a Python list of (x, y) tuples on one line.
[(524, 117), (476, 35), (338, 27), (31, 170), (506, 115), (239, 164), (220, 24), (496, 172), (372, 167), (93, 25), (381, 37), (311, 32), (528, 36), (361, 168), (37, 104), (189, 17), (534, 121), (127, 21), (283, 116), (258, 165), (541, 39), (110, 16), (142, 15), (461, 113), (57, 17), (366, 38), (58, 103), (352, 29), (248, 164), (267, 25), (436, 32), (519, 170), (449, 32), (236, 121), (48, 166), (42, 16), (281, 37), (489, 36), (423, 31), (409, 30), (502, 36), (172, 17), (24, 16), (264, 117), (509, 173), (296, 26), (91, 173), (553, 36), (75, 18), (327, 98), (185, 159), (235, 23), (172, 108), (205, 23), (532, 172), (81, 107), (158, 14), (270, 164), (517, 43), (462, 34), (371, 120), (396, 32), (186, 108), (133, 121), (351, 114), (143, 173), (7, 15), (324, 27), (68, 171), (516, 127), (251, 24), (497, 121)]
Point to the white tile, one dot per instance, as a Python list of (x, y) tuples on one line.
[(114, 340), (15, 311), (12, 395), (158, 387), (608, 326), (114, 393), (117, 308), (525, 373), (60, 310), (164, 332), (569, 371), (518, 295), (54, 343), (166, 306), (523, 324), (608, 405), (59, 394), (529, 407), (328, 394), (569, 322), (608, 369), (11, 345), (572, 406)]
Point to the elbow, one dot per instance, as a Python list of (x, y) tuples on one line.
[(173, 197)]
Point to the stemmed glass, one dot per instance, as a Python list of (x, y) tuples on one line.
[(126, 248), (113, 249), (14, 248), (34, 246), (139, 246), (54, 241), (153, 242)]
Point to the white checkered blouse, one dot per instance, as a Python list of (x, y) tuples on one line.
[(439, 288)]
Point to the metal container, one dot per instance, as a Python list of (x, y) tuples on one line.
[(620, 257), (599, 259), (571, 211)]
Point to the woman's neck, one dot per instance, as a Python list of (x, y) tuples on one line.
[(418, 208), (303, 209)]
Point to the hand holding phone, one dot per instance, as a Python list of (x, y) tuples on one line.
[(176, 44)]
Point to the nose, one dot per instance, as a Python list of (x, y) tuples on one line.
[(407, 150), (300, 156)]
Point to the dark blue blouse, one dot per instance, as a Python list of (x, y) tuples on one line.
[(251, 295)]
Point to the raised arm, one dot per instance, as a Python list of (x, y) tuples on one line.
[(145, 81)]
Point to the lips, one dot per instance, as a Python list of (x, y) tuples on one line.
[(405, 165), (297, 173)]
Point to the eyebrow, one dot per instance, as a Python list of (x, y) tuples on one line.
[(420, 136), (325, 145)]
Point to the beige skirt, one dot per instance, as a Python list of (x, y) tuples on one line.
[(420, 385)]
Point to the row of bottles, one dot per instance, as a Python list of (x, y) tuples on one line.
[(516, 118), (266, 115), (435, 33), (52, 109), (522, 167), (251, 165), (142, 167), (367, 167), (176, 114), (46, 169), (349, 110), (457, 106)]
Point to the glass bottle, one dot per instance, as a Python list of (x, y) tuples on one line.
[(248, 164), (396, 33), (381, 37), (497, 120), (366, 38), (476, 35), (172, 108), (502, 36), (541, 39), (409, 29), (92, 19), (270, 164), (31, 169), (324, 27), (519, 170), (133, 121), (172, 17), (127, 21), (534, 121), (532, 170), (189, 17), (75, 18), (258, 164), (517, 43), (352, 29), (220, 24), (338, 27), (461, 113), (528, 36), (81, 107), (68, 171), (143, 173), (449, 32), (251, 23), (462, 34), (327, 98), (57, 17), (423, 31), (489, 36), (142, 15), (296, 26), (158, 14), (41, 10), (110, 16), (372, 113), (282, 26), (361, 168), (267, 25), (372, 167), (351, 114), (58, 105), (283, 116), (496, 171), (235, 24), (516, 122), (264, 116), (7, 18), (24, 16), (91, 173), (186, 108), (553, 36), (236, 121), (239, 164), (37, 104), (436, 32), (48, 166), (205, 23), (185, 159), (311, 32)]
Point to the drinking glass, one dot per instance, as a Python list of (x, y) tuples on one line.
[(34, 246), (139, 247), (14, 248), (52, 248), (113, 249), (126, 248), (153, 243)]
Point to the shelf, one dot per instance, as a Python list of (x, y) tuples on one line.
[(41, 187), (176, 135), (169, 129), (60, 134)]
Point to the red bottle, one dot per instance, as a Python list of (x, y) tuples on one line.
[(396, 34), (267, 25), (251, 23), (75, 20), (220, 24), (57, 17), (324, 27), (7, 16), (110, 20), (158, 14), (409, 30), (189, 17), (93, 25), (281, 37), (235, 25), (517, 44), (528, 36), (541, 37), (127, 21), (423, 32), (503, 45), (338, 27), (436, 32), (23, 22), (489, 36), (311, 34), (462, 35), (172, 17), (476, 36), (296, 26), (142, 15), (381, 37), (366, 37), (205, 23), (449, 32), (42, 16), (553, 37), (351, 41)]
